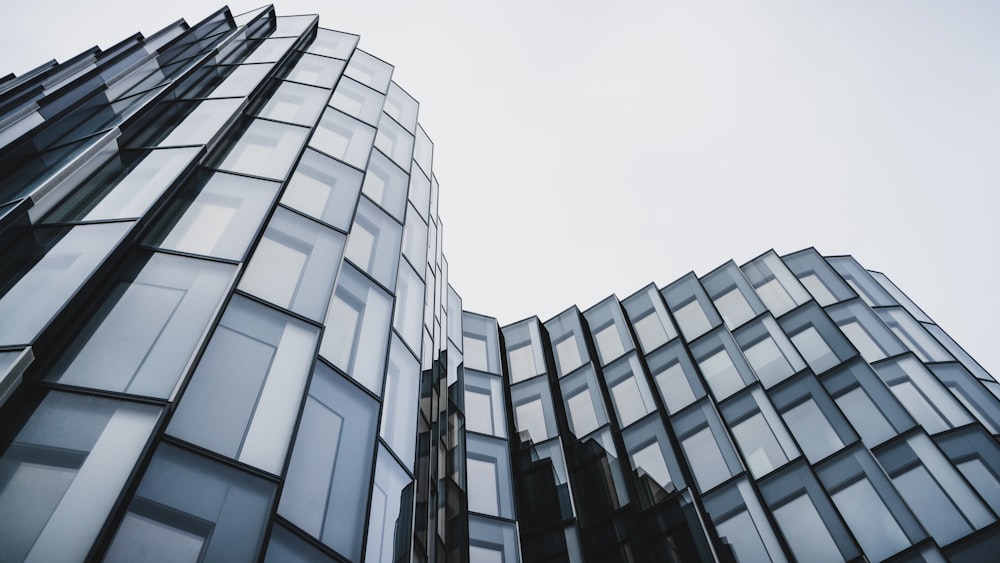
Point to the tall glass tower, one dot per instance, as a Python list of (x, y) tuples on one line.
[(227, 334)]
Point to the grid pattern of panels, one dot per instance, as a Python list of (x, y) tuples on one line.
[(793, 408), (223, 293)]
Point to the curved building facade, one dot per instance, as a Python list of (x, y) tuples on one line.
[(227, 334)]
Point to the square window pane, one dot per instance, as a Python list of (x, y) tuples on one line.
[(266, 149), (343, 138), (323, 188)]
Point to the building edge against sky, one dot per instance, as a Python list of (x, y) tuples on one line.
[(226, 333)]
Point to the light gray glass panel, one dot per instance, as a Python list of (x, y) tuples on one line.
[(324, 188), (369, 70), (912, 333), (481, 338), (977, 400), (816, 275), (142, 336), (423, 150), (922, 394), (774, 283), (401, 399), (584, 405), (402, 107), (493, 541), (270, 50), (265, 149), (201, 125), (861, 281), (408, 315), (256, 364), (420, 193), (357, 328), (189, 508), (294, 264), (630, 394), (67, 259), (386, 184), (217, 217), (328, 476), (741, 523), (295, 103), (316, 70), (241, 81), (344, 138), (373, 244), (331, 43), (650, 319), (394, 141), (489, 478), (675, 377), (357, 100), (868, 517), (72, 456)]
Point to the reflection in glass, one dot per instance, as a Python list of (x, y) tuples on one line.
[(323, 188), (873, 525), (256, 364), (343, 138), (71, 457), (327, 483), (142, 336), (373, 244), (218, 216), (265, 149), (392, 497), (294, 264), (295, 103), (357, 100)]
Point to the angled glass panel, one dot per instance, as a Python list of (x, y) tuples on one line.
[(326, 487), (922, 394), (286, 547), (190, 508), (584, 406), (984, 406), (401, 106), (630, 394), (977, 456), (71, 455), (816, 275), (126, 186), (265, 149), (691, 307), (415, 239), (675, 377), (373, 244), (323, 188), (706, 445), (357, 328), (863, 328), (866, 402), (481, 342), (386, 184), (343, 138), (408, 315), (292, 26), (391, 512), (357, 100), (653, 461), (295, 103), (369, 70), (45, 269), (534, 414), (732, 294), (768, 351), (607, 326), (401, 399), (201, 124), (912, 333), (217, 215), (484, 404), (143, 334), (650, 319), (395, 142), (775, 284), (861, 281), (759, 432), (256, 364), (742, 524), (334, 44), (932, 487), (423, 151), (901, 297), (489, 480), (294, 264), (492, 541), (316, 70), (270, 50), (420, 193)]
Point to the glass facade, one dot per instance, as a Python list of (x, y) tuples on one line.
[(227, 334)]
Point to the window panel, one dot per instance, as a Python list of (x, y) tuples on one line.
[(199, 126), (692, 319), (395, 142), (316, 70), (568, 354), (390, 512), (399, 415), (868, 517), (191, 508), (815, 434), (522, 363), (922, 394), (71, 456), (256, 363), (741, 524), (47, 268), (609, 343), (373, 244), (865, 416), (357, 100), (218, 216), (294, 264), (734, 308), (814, 349), (357, 328), (266, 149), (484, 404), (482, 487), (369, 70), (125, 187), (329, 472), (343, 138), (529, 418), (911, 333), (630, 393), (142, 336), (401, 106), (295, 103), (805, 531), (775, 284), (408, 316), (323, 188), (386, 184), (286, 547), (334, 44)]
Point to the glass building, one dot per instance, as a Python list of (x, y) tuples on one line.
[(227, 334)]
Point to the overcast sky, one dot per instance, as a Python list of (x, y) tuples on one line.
[(586, 148)]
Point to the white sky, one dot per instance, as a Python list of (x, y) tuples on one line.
[(586, 148)]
